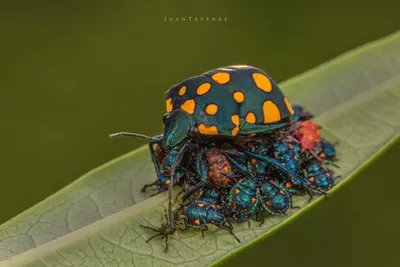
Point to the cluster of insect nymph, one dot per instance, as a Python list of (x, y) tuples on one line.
[(237, 149)]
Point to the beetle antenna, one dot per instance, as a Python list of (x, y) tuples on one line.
[(140, 136)]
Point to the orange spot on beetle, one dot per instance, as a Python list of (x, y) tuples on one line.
[(268, 203), (200, 204), (281, 192), (203, 88), (182, 91), (169, 105), (226, 169), (262, 82), (322, 155), (289, 106), (288, 185), (168, 181), (271, 112), (235, 119), (207, 130), (239, 97), (253, 160), (197, 222), (211, 109), (250, 117), (235, 131), (189, 106), (237, 191), (253, 200), (221, 77), (311, 179)]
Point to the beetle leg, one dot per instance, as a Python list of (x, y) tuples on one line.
[(238, 165), (285, 170)]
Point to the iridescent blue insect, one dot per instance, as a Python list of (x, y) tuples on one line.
[(275, 199), (326, 151), (242, 200), (206, 210), (319, 175), (249, 197), (287, 154), (301, 114), (295, 178), (163, 163)]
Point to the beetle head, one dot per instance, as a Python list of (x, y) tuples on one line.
[(177, 125)]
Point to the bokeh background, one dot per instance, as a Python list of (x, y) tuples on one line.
[(71, 73)]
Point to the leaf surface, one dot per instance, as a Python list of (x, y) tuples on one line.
[(94, 221)]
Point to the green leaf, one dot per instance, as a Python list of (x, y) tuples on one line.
[(94, 221)]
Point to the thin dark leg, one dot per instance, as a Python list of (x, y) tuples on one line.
[(291, 204), (238, 165), (147, 186), (170, 186), (191, 191), (202, 173), (310, 195), (159, 234), (231, 232), (158, 192), (203, 230), (230, 224), (232, 152), (283, 169), (166, 243), (151, 228), (294, 207), (261, 218), (177, 196), (334, 165)]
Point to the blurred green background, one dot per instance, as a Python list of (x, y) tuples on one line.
[(71, 73)]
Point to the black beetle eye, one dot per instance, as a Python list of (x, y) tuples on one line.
[(165, 117), (193, 132)]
